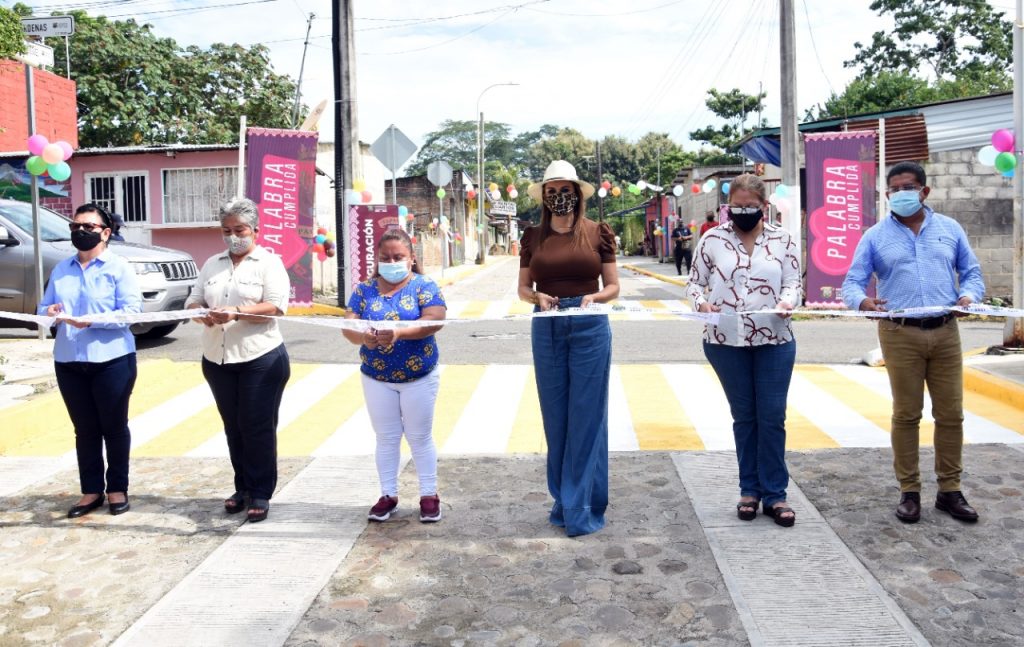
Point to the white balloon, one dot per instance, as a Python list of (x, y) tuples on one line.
[(513, 194), (602, 192), (641, 185), (987, 155), (677, 190)]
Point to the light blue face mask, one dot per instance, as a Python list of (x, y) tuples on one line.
[(905, 203), (393, 272)]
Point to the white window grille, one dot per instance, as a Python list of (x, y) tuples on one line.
[(123, 193), (194, 195)]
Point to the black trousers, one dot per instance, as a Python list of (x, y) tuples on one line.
[(248, 396), (681, 255), (96, 395)]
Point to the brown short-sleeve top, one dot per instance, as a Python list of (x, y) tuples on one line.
[(562, 270)]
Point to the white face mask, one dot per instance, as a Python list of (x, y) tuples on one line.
[(238, 245)]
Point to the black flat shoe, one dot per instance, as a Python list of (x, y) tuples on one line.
[(235, 503), (120, 508), (82, 510)]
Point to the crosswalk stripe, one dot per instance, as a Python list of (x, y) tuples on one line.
[(354, 437), (869, 389), (528, 429), (659, 420), (846, 427), (486, 421), (697, 388), (169, 413), (458, 384), (621, 435), (308, 432), (474, 310), (987, 420)]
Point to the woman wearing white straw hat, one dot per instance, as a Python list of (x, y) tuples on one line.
[(569, 261)]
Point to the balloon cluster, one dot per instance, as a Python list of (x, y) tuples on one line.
[(49, 158), (786, 198), (658, 231), (323, 244), (605, 188), (708, 186), (403, 212), (512, 191), (1000, 153), (358, 194), (492, 191)]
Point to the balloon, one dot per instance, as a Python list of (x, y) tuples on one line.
[(987, 155), (321, 230), (711, 184), (693, 223), (632, 188), (782, 190), (318, 248), (321, 256), (353, 197), (1009, 173), (606, 185), (320, 238), (329, 245), (36, 165), (471, 194), (492, 187), (367, 196), (677, 190), (695, 189), (458, 236), (359, 184), (725, 188), (495, 195), (59, 171), (413, 239), (480, 229), (1002, 140), (434, 222), (68, 151), (36, 144), (403, 210), (1005, 162), (330, 236), (52, 153), (510, 188), (410, 217), (602, 192), (641, 185), (616, 191), (513, 194), (329, 253), (440, 193)]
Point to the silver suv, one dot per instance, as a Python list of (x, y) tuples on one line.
[(166, 276)]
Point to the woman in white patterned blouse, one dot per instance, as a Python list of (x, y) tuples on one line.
[(744, 265)]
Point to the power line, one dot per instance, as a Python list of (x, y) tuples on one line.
[(814, 46), (450, 40), (607, 15), (184, 11)]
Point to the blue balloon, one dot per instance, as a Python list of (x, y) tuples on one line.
[(725, 188), (403, 211), (320, 238), (1008, 173)]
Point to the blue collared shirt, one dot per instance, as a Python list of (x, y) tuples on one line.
[(107, 284), (934, 268)]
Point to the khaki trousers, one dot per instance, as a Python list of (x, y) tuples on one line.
[(914, 358)]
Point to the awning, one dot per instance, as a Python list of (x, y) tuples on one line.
[(763, 150)]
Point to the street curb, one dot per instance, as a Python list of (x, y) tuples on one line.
[(463, 274), (983, 383), (660, 277)]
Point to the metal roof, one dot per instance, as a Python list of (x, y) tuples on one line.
[(956, 125)]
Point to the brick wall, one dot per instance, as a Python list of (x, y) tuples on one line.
[(981, 200), (60, 205), (56, 109)]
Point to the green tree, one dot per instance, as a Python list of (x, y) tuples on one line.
[(732, 107), (455, 142), (12, 38), (948, 37), (137, 88), (885, 91)]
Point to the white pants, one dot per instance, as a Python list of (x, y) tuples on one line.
[(404, 408)]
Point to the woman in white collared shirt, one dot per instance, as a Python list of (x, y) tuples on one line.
[(743, 265), (244, 358)]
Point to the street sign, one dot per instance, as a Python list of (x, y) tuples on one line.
[(439, 173), (393, 149), (49, 26), (37, 54), (503, 208)]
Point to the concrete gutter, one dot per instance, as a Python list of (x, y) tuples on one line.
[(660, 277)]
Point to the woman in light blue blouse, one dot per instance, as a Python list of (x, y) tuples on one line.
[(95, 363), (400, 382)]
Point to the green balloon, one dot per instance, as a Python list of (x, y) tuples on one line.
[(1005, 162), (632, 188), (36, 165), (440, 193), (59, 171)]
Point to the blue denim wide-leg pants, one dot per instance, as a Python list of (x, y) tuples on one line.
[(572, 360), (756, 382)]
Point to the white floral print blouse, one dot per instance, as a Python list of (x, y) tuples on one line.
[(724, 275)]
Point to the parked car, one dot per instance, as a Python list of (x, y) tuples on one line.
[(166, 276)]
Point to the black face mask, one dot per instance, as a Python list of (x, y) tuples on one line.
[(745, 221), (85, 240)]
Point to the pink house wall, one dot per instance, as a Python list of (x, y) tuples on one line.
[(201, 242)]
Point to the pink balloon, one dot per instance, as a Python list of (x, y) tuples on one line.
[(1002, 140), (53, 154), (66, 147), (36, 144), (321, 256)]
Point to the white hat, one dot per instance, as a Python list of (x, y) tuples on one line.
[(560, 170)]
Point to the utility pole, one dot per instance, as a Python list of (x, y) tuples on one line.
[(302, 67), (600, 179), (37, 236), (1013, 333), (343, 51), (790, 142)]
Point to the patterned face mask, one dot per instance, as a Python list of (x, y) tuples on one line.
[(561, 204)]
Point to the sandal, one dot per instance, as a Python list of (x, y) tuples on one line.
[(747, 510), (776, 512), (235, 503), (258, 509)]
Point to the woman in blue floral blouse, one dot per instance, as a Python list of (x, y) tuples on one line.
[(400, 382)]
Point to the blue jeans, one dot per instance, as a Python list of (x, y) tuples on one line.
[(572, 361), (756, 381), (96, 395)]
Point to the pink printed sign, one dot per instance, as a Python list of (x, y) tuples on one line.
[(840, 206), (366, 225)]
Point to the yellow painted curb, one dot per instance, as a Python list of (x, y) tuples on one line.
[(316, 309), (993, 387), (660, 277), (462, 274)]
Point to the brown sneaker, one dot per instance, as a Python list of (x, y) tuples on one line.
[(382, 510), (430, 508)]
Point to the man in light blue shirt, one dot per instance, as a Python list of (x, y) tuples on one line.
[(920, 258)]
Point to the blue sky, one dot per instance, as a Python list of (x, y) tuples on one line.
[(621, 67)]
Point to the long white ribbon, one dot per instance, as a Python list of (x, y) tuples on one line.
[(622, 307)]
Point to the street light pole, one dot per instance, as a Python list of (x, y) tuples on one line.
[(481, 229)]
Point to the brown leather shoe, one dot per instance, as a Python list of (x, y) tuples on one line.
[(909, 509), (956, 505)]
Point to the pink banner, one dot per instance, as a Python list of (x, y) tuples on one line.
[(841, 201), (366, 224), (280, 177)]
